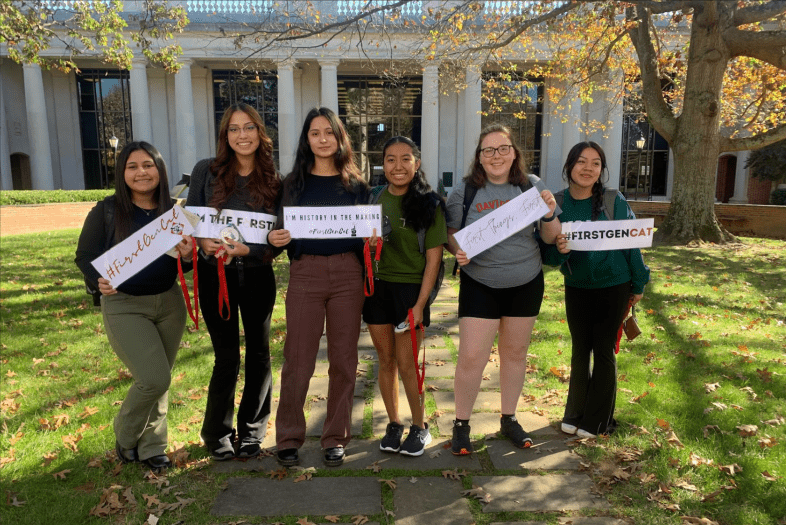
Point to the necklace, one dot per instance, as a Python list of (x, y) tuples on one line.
[(147, 212)]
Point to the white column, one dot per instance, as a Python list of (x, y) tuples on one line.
[(329, 84), (741, 179), (297, 74), (6, 178), (184, 104), (471, 114), (612, 143), (38, 129), (142, 127), (429, 125), (571, 133), (287, 127)]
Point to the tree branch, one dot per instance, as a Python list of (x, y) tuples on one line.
[(767, 46), (758, 13), (751, 143), (658, 110)]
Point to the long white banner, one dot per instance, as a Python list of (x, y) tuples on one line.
[(124, 260), (503, 222), (254, 227), (332, 222), (585, 236)]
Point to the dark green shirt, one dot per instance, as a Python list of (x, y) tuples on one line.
[(401, 260)]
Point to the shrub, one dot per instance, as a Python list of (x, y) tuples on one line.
[(778, 197), (51, 196)]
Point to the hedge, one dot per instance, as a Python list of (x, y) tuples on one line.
[(51, 196)]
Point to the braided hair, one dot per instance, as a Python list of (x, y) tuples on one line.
[(597, 188)]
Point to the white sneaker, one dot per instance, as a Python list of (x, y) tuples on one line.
[(416, 441), (568, 428), (584, 434)]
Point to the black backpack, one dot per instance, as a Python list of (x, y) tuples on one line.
[(376, 193), (109, 232)]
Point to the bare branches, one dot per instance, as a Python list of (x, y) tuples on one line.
[(759, 13), (767, 46), (755, 142)]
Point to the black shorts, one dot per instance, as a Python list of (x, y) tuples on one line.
[(478, 300), (391, 302)]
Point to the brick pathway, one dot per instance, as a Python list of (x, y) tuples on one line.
[(31, 218), (542, 479)]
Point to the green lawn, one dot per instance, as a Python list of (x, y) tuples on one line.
[(708, 368)]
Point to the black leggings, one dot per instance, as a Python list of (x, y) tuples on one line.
[(594, 317)]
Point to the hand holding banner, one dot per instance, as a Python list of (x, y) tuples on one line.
[(503, 222), (142, 247), (586, 236), (332, 222), (253, 227)]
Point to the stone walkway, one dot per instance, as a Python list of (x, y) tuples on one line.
[(544, 480)]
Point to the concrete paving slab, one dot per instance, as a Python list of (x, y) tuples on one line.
[(552, 492), (488, 423), (283, 497), (440, 384), (520, 522), (446, 370), (604, 520), (437, 354), (321, 368), (430, 501), (545, 454), (316, 419), (318, 386)]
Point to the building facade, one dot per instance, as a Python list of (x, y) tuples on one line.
[(58, 129)]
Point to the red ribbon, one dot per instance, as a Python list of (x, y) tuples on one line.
[(223, 292), (421, 374), (193, 314), (619, 331), (368, 284)]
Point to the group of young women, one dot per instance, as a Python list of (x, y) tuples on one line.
[(500, 292)]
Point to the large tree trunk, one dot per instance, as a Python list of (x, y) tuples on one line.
[(696, 143)]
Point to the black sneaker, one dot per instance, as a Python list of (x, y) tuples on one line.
[(510, 428), (392, 440), (416, 441), (223, 453), (249, 449), (460, 445)]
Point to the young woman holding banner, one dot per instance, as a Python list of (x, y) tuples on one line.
[(145, 316), (501, 288), (237, 277), (403, 282), (325, 286), (599, 288)]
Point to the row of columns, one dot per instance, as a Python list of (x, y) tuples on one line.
[(40, 146)]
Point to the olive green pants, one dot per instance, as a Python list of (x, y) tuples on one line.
[(145, 333)]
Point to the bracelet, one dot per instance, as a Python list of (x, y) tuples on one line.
[(553, 216)]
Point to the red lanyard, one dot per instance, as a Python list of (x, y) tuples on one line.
[(619, 331), (223, 292), (192, 313), (368, 284), (421, 374)]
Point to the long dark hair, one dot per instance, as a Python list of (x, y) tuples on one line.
[(419, 205), (124, 205), (344, 158), (518, 170), (263, 182), (597, 188)]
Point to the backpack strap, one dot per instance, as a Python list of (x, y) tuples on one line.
[(376, 193), (109, 221), (609, 199)]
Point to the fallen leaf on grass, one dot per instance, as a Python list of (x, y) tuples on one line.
[(389, 482), (87, 412), (765, 375), (304, 521), (332, 519), (673, 440), (711, 387), (686, 486), (662, 423), (768, 476), (278, 474), (61, 474), (152, 519), (779, 420), (638, 398), (49, 457), (697, 521), (730, 469), (454, 474), (303, 477), (707, 429), (70, 442), (478, 493), (747, 430), (374, 467), (15, 502), (359, 520)]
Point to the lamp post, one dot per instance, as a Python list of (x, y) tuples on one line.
[(113, 142), (640, 142)]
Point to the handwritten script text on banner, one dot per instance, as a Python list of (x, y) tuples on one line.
[(503, 222), (124, 260)]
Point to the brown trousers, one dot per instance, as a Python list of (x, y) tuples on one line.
[(320, 288)]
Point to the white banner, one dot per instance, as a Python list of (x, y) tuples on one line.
[(332, 222), (586, 236), (254, 227), (510, 218), (142, 247)]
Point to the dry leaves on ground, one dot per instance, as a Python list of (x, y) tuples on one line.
[(389, 482), (454, 474)]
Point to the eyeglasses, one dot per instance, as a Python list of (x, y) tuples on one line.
[(503, 150), (251, 128)]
